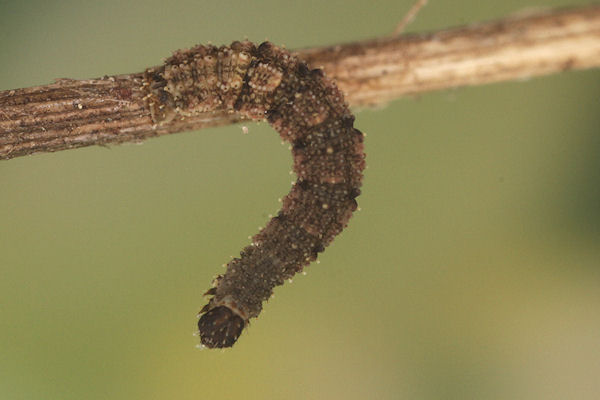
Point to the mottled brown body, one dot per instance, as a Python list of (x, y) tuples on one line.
[(308, 110)]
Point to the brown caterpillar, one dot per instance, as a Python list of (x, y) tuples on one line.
[(307, 109)]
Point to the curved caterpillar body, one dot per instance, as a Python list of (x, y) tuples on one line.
[(307, 109)]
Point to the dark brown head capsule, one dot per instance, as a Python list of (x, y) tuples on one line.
[(220, 327)]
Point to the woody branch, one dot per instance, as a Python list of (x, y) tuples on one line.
[(77, 113)]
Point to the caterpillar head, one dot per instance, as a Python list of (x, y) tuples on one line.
[(220, 327)]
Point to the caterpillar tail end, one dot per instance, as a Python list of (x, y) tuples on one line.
[(220, 327)]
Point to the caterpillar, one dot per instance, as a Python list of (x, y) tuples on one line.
[(306, 108)]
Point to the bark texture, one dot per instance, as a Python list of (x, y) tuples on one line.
[(76, 113)]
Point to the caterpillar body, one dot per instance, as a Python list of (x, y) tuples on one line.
[(307, 109)]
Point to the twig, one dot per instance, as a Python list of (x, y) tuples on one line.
[(409, 17), (77, 113)]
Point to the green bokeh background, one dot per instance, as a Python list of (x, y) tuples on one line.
[(472, 271)]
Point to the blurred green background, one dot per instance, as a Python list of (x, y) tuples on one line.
[(472, 271)]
